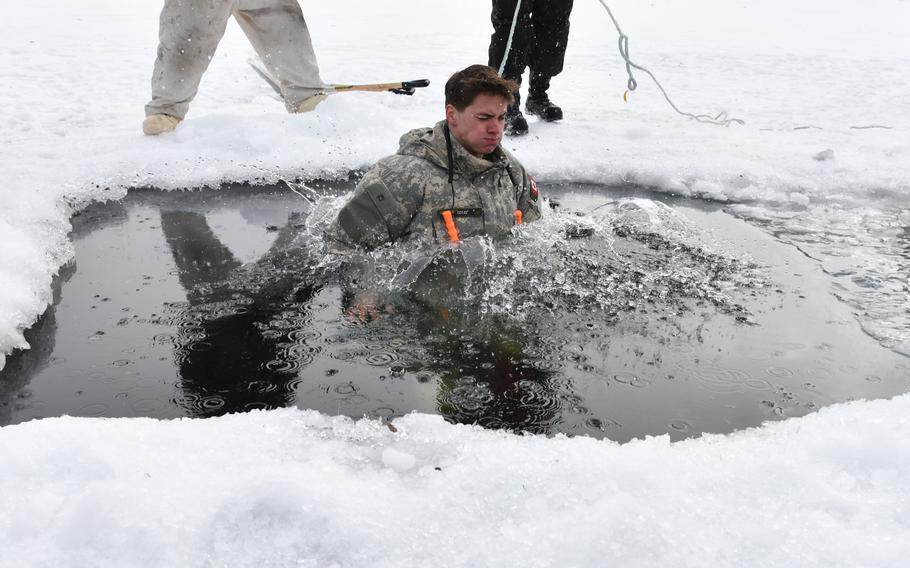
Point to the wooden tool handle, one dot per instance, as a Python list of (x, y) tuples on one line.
[(383, 86)]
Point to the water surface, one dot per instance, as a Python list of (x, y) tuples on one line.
[(622, 314)]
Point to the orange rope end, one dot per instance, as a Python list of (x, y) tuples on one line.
[(450, 225), (518, 216)]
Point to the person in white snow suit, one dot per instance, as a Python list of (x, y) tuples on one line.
[(189, 32)]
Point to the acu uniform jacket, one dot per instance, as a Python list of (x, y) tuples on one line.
[(402, 197)]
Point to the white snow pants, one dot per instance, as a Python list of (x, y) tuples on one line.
[(189, 32)]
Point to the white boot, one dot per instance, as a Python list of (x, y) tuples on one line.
[(156, 124), (310, 103)]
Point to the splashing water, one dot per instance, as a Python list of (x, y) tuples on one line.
[(620, 257)]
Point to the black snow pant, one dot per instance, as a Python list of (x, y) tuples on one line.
[(539, 41)]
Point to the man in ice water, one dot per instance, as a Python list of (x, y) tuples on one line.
[(447, 182), (189, 32)]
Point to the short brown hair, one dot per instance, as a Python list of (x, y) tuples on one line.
[(464, 86)]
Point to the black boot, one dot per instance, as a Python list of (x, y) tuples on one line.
[(539, 104), (516, 123)]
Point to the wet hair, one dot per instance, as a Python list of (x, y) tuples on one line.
[(464, 86)]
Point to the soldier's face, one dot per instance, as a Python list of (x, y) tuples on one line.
[(480, 125)]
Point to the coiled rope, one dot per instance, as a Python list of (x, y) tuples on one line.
[(719, 119)]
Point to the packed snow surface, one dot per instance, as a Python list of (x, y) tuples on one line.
[(296, 488), (822, 89)]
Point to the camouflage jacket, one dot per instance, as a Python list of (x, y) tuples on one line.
[(401, 197)]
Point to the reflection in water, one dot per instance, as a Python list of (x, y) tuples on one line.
[(484, 376), (23, 365), (244, 336), (229, 355), (486, 379), (243, 339)]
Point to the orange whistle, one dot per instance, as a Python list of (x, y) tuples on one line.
[(450, 225), (518, 216)]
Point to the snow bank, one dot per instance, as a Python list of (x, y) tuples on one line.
[(292, 487)]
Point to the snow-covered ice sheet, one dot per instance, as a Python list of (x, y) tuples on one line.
[(822, 87), (296, 488)]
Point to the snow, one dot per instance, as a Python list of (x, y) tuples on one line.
[(822, 89), (294, 487)]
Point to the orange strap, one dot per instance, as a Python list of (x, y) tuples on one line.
[(451, 229), (518, 216)]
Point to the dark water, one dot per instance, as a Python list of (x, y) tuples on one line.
[(615, 318)]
